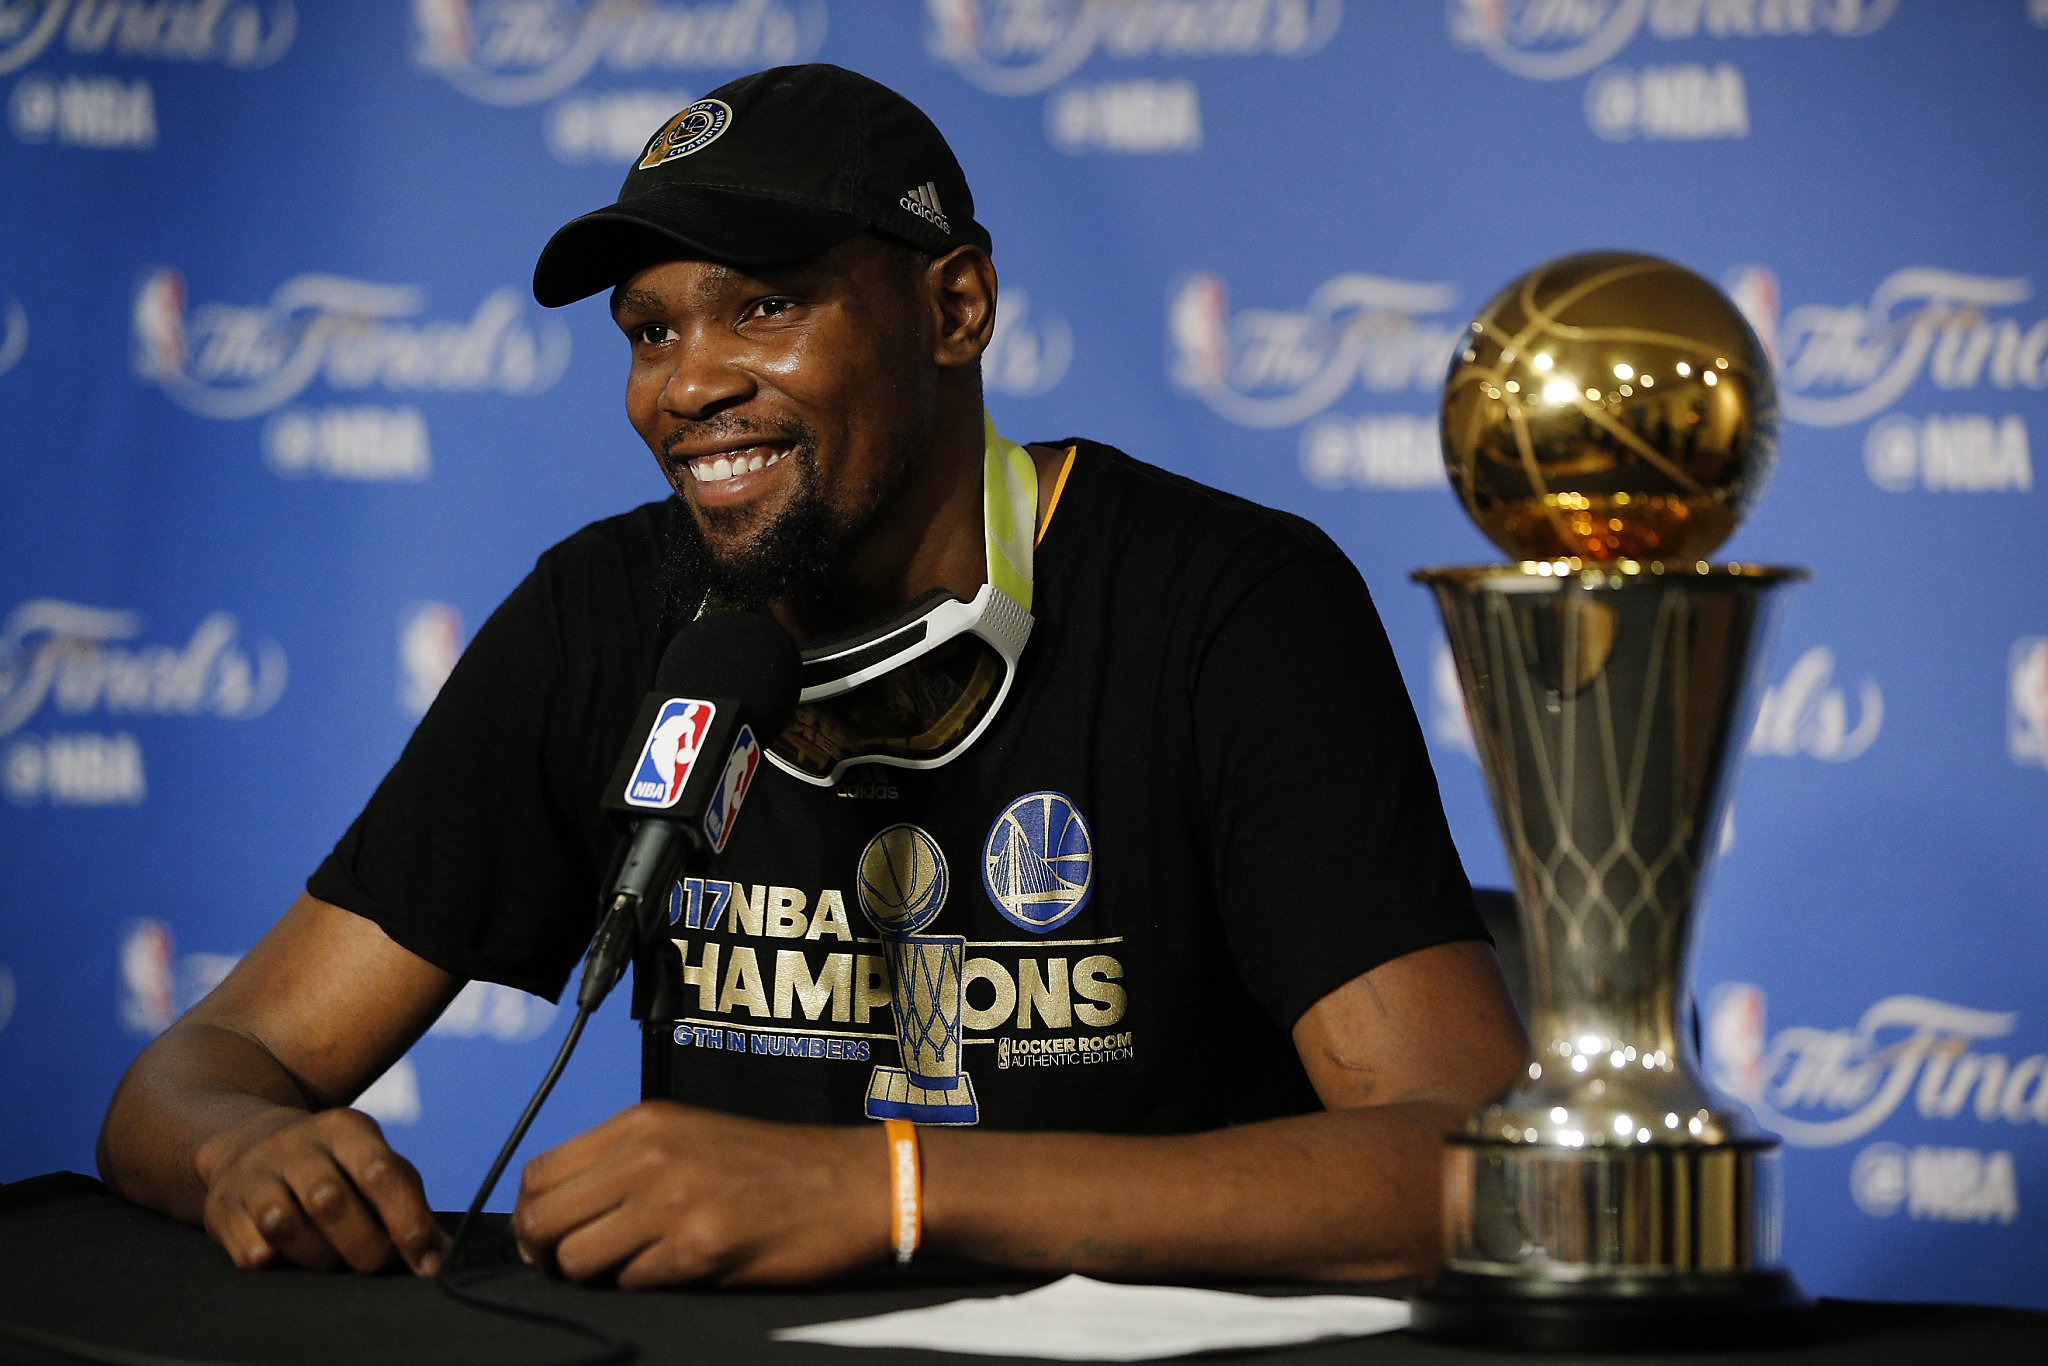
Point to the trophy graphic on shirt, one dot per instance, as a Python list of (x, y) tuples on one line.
[(1607, 422), (902, 887)]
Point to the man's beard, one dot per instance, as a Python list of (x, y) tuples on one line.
[(793, 557)]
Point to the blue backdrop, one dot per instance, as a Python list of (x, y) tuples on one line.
[(280, 424)]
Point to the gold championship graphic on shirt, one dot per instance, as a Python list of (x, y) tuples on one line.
[(770, 956), (902, 888)]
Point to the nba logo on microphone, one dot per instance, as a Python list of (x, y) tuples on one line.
[(670, 753), (732, 789)]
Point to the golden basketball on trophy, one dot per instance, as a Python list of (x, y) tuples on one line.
[(1609, 406)]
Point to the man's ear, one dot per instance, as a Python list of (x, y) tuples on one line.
[(962, 288)]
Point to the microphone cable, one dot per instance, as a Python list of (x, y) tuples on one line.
[(608, 1348), (730, 656)]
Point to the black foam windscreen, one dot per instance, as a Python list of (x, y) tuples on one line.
[(737, 655)]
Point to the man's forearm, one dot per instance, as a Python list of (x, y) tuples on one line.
[(1349, 1195), (196, 1081)]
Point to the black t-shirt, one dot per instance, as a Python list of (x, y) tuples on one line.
[(1204, 806)]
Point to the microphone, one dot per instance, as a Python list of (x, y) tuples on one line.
[(726, 687)]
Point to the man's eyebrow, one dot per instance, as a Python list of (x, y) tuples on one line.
[(626, 300)]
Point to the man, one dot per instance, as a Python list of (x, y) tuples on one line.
[(1150, 924)]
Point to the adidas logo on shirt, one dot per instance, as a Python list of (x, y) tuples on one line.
[(924, 202)]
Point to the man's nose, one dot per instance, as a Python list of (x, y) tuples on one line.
[(707, 378)]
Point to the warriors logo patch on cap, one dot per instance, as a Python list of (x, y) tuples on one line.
[(690, 131)]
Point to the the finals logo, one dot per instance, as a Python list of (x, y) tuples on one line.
[(1025, 47), (242, 34), (232, 361), (527, 53), (1544, 40), (1263, 367)]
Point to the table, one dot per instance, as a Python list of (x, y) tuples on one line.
[(77, 1260)]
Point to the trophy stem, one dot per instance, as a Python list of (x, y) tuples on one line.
[(1611, 1197)]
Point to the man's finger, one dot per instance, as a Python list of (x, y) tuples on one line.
[(396, 1197), (232, 1227), (581, 1178), (576, 1155), (339, 1215), (274, 1211), (613, 1240), (657, 1264), (540, 1221)]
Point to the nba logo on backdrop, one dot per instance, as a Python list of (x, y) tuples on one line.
[(148, 977), (1753, 290), (160, 325), (13, 334), (429, 643), (1734, 1036), (670, 753), (1197, 318), (442, 28), (2027, 716)]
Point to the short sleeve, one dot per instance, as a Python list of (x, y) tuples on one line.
[(480, 849), (1331, 848)]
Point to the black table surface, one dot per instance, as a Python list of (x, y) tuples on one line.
[(78, 1261)]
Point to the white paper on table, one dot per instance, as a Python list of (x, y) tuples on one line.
[(1078, 1319)]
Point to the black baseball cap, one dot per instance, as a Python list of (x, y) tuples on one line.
[(772, 167)]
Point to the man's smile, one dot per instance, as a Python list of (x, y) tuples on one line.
[(717, 469), (727, 471)]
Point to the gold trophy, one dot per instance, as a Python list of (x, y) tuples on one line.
[(1609, 419)]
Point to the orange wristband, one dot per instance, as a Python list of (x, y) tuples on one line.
[(906, 1188)]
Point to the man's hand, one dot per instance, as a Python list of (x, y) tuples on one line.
[(320, 1190), (231, 1116), (662, 1193)]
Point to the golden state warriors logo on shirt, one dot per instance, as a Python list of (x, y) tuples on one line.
[(696, 128), (902, 889), (1039, 862)]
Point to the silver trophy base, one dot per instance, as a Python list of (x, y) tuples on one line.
[(1617, 1312), (1640, 1246)]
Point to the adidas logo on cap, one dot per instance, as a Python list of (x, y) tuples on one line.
[(924, 202)]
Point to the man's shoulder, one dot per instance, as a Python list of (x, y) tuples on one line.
[(1142, 504), (620, 557), (607, 580), (636, 534)]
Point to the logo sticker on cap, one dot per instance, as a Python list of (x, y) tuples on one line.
[(690, 131)]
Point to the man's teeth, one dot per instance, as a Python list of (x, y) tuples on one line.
[(713, 469)]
